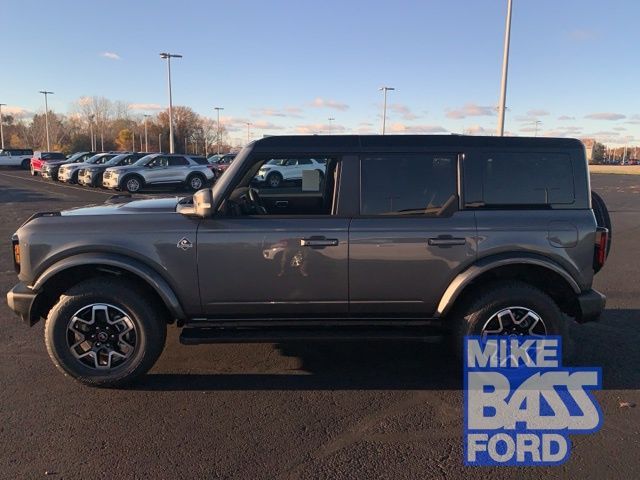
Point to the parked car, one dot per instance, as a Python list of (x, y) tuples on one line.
[(91, 176), (68, 173), (221, 162), (50, 169), (16, 157), (158, 169), (39, 159), (277, 171), (469, 235)]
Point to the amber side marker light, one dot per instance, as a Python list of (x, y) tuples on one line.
[(16, 253)]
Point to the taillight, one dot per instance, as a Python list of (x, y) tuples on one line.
[(601, 247), (16, 253)]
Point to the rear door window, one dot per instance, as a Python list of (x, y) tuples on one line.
[(178, 161), (503, 179), (416, 184)]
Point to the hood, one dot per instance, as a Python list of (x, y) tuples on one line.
[(124, 167), (77, 165), (55, 163), (153, 205)]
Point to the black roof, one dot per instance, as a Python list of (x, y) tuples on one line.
[(346, 143)]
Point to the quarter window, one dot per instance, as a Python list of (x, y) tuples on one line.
[(408, 184)]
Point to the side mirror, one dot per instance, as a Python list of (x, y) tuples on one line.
[(202, 205)]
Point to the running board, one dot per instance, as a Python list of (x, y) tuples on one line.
[(197, 336)]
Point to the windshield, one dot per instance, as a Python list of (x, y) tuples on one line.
[(95, 158), (146, 159), (75, 156), (122, 159)]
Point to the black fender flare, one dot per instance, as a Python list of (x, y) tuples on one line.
[(131, 265), (484, 265)]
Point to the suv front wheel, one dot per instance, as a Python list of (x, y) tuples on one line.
[(132, 183), (103, 333), (509, 308)]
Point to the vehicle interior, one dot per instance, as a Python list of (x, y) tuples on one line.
[(313, 194)]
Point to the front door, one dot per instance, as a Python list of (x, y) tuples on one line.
[(291, 259), (410, 239)]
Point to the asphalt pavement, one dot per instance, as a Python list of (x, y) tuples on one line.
[(294, 410)]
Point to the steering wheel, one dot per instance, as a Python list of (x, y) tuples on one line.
[(256, 201)]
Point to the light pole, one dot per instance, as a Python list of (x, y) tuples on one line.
[(1, 132), (248, 132), (538, 122), (331, 119), (93, 146), (217, 109), (159, 142), (46, 115), (505, 67), (168, 57), (146, 138), (384, 108)]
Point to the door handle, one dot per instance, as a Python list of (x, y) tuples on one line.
[(446, 241), (319, 242)]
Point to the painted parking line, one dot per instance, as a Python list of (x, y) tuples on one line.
[(64, 185)]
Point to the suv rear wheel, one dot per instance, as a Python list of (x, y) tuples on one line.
[(103, 333), (509, 308)]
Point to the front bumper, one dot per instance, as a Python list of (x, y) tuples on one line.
[(21, 300), (65, 176), (591, 303), (87, 179), (49, 174), (111, 182)]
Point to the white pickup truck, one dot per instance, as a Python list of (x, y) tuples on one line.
[(16, 157)]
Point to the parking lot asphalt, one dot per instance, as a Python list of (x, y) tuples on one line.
[(319, 410)]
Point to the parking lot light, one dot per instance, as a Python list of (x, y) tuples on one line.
[(217, 109), (168, 57), (248, 131), (1, 132), (146, 138), (384, 107), (331, 119), (46, 116), (505, 67)]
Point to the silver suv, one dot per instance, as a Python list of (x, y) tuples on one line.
[(402, 237), (159, 169)]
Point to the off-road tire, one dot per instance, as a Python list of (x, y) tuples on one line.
[(150, 327)]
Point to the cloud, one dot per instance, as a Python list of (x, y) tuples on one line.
[(146, 106), (635, 120), (110, 55), (264, 125), (16, 112), (619, 129), (293, 112), (605, 116), (471, 110), (402, 110), (537, 113), (566, 117), (402, 128), (478, 130), (332, 104), (314, 128)]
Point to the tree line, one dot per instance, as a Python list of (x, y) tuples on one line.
[(115, 127)]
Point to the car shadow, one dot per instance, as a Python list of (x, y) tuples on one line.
[(22, 195), (400, 365)]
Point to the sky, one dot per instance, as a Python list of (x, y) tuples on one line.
[(289, 66)]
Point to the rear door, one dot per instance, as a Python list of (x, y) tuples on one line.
[(177, 170), (411, 238)]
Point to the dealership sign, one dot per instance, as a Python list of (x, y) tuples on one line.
[(521, 404)]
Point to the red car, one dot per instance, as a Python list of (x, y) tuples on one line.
[(221, 162), (40, 158)]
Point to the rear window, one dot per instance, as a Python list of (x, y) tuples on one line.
[(520, 179), (424, 184)]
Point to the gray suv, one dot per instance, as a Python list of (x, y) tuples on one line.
[(402, 237), (159, 169)]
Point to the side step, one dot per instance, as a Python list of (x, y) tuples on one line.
[(197, 336)]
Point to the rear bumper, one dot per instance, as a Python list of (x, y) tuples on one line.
[(591, 303), (21, 299)]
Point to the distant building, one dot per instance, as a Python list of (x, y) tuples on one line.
[(589, 145)]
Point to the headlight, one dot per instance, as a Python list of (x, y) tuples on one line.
[(264, 169)]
